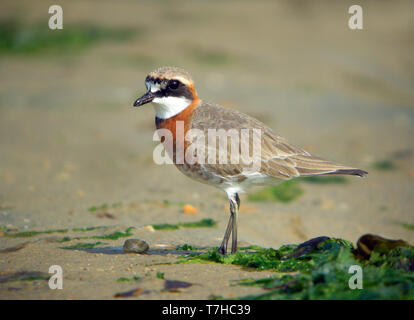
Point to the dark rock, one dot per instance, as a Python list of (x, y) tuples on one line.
[(371, 242), (174, 285), (306, 247), (135, 246)]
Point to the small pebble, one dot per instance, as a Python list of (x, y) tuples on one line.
[(150, 228), (135, 246)]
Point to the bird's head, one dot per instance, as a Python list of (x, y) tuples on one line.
[(171, 89)]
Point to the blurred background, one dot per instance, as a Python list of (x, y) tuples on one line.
[(70, 139)]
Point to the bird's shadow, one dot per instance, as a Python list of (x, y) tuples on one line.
[(118, 250)]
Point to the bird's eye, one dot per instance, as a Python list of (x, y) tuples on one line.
[(173, 84)]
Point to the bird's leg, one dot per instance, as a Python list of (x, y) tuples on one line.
[(234, 209), (223, 246), (231, 226)]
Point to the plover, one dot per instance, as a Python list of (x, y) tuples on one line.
[(175, 100)]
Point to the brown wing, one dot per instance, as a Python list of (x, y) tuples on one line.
[(278, 158)]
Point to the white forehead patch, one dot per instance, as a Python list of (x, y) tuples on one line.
[(152, 86)]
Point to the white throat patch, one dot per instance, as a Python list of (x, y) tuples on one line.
[(167, 107)]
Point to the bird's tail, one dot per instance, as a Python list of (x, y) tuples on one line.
[(353, 172), (310, 165)]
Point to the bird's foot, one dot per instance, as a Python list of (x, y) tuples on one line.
[(222, 250)]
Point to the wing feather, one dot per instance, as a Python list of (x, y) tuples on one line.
[(278, 158)]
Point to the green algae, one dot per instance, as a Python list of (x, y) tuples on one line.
[(25, 234), (407, 226), (285, 192), (105, 206), (123, 279), (35, 278), (204, 223), (165, 226), (112, 236), (65, 239), (384, 277), (88, 229), (17, 37), (384, 165), (319, 269), (329, 278), (23, 276), (115, 235), (96, 208), (83, 246), (32, 278), (185, 247), (260, 259), (171, 203)]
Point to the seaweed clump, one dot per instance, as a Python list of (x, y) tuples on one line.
[(321, 269)]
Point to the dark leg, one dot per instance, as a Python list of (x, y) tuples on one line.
[(231, 226), (223, 246), (234, 209), (237, 200)]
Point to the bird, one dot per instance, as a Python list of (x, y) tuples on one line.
[(173, 94)]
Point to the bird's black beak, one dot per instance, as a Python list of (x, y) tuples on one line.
[(146, 98)]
